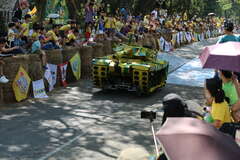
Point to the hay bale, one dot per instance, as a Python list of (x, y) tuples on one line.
[(140, 41), (86, 61), (54, 56), (157, 44), (98, 50), (153, 42), (10, 70), (147, 40), (35, 67), (67, 54), (108, 50)]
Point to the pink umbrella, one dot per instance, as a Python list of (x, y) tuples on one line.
[(225, 56), (193, 139)]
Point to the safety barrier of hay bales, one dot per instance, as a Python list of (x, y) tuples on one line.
[(67, 54), (86, 53), (55, 57), (10, 70)]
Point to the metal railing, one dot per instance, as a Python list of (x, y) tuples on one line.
[(6, 15)]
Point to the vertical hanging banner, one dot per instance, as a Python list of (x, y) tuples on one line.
[(161, 43), (63, 71), (75, 62), (53, 70), (39, 89), (21, 84), (49, 78)]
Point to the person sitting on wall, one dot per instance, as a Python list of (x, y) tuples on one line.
[(3, 79), (26, 28), (37, 48), (63, 31), (72, 37), (4, 49), (52, 39)]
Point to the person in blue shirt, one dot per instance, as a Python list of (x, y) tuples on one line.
[(228, 37), (37, 49), (228, 33)]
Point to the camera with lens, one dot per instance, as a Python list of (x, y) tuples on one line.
[(149, 115)]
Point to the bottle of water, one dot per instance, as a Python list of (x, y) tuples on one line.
[(208, 118)]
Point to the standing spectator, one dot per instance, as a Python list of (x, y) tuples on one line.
[(26, 27), (219, 107), (18, 14), (228, 33), (231, 88), (24, 7), (89, 13), (124, 13), (155, 13)]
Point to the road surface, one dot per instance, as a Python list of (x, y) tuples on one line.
[(83, 123)]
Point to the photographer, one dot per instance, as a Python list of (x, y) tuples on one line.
[(175, 106)]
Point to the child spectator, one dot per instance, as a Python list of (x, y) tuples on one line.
[(26, 27), (11, 34), (63, 31), (72, 37), (36, 48), (88, 31), (220, 111), (52, 38)]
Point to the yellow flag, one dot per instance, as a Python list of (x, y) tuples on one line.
[(33, 11), (185, 17), (75, 62), (21, 84)]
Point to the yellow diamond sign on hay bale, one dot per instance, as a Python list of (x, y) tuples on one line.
[(21, 84), (76, 66)]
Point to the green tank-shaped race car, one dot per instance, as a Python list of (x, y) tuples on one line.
[(132, 68)]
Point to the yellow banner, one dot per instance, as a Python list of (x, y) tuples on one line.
[(75, 62), (21, 84)]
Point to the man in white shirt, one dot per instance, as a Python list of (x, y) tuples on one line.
[(155, 13)]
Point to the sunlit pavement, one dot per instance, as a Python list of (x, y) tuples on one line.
[(81, 123)]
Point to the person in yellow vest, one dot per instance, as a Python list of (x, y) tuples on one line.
[(63, 31), (72, 37), (36, 32), (26, 27), (110, 22), (52, 37)]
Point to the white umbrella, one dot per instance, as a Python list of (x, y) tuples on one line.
[(53, 15)]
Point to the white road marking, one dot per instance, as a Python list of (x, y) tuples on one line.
[(61, 147)]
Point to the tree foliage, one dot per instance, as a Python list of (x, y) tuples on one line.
[(191, 7)]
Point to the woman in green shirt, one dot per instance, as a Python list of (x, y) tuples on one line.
[(230, 87)]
